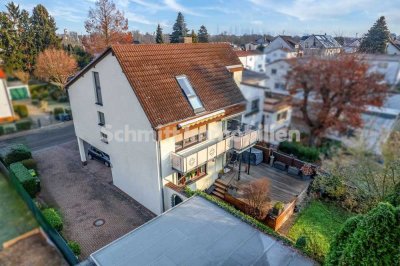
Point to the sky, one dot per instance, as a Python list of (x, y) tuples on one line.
[(290, 17)]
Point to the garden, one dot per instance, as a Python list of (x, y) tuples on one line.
[(18, 159), (316, 226)]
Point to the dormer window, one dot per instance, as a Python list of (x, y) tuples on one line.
[(188, 90)]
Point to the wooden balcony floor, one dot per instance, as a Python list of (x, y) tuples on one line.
[(283, 187)]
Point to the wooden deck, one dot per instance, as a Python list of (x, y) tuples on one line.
[(283, 187)]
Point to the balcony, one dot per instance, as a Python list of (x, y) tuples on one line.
[(187, 160)]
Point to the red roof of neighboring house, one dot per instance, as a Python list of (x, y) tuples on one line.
[(151, 70), (2, 74), (241, 53)]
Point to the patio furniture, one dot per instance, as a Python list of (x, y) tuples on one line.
[(254, 156), (294, 171), (280, 165)]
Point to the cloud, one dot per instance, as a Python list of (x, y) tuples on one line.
[(68, 13), (147, 4), (174, 5), (134, 17)]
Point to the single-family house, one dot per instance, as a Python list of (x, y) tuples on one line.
[(324, 45), (277, 54), (387, 65), (276, 76), (161, 114), (393, 48), (6, 108), (283, 41), (253, 60)]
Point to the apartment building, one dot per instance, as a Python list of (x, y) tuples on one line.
[(6, 109), (161, 113)]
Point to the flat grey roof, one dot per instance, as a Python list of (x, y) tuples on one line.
[(197, 232)]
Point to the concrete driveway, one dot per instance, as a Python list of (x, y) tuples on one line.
[(84, 194)]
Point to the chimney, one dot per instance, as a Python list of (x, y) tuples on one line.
[(186, 39)]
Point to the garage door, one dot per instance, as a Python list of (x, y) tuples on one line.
[(19, 93)]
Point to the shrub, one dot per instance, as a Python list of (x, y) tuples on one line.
[(2, 131), (30, 183), (304, 153), (30, 164), (57, 111), (35, 102), (53, 218), (301, 242), (279, 206), (23, 125), (21, 110), (75, 247), (9, 129), (370, 239), (15, 153)]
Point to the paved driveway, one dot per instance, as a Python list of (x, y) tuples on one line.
[(84, 194)]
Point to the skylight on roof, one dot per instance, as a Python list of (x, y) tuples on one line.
[(187, 88)]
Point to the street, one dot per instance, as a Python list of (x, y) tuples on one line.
[(40, 139)]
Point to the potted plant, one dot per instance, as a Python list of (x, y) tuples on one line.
[(306, 171), (278, 208)]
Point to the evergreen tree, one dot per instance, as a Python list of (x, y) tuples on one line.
[(179, 29), (159, 35), (43, 28), (203, 34), (194, 37), (377, 38)]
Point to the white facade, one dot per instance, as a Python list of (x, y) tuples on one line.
[(324, 45), (253, 61), (135, 165), (6, 109), (387, 65), (393, 49), (276, 119), (277, 54), (276, 76), (255, 103)]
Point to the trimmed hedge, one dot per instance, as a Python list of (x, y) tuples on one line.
[(57, 111), (23, 125), (53, 218), (2, 131), (31, 184), (309, 154), (21, 110), (15, 153), (75, 247)]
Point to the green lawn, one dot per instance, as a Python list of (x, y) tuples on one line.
[(15, 217), (318, 222)]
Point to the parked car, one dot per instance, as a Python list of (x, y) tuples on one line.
[(63, 117), (95, 154)]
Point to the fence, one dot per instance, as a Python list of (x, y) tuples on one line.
[(54, 236), (281, 157)]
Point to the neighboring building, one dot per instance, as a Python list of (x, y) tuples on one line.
[(198, 232), (6, 108), (277, 54), (161, 113), (352, 46), (277, 114), (393, 48), (282, 41), (251, 46), (254, 94), (387, 65), (276, 76), (324, 45), (18, 91), (252, 60), (70, 39)]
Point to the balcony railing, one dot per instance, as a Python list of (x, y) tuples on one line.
[(239, 141)]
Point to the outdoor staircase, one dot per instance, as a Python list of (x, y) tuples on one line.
[(220, 189)]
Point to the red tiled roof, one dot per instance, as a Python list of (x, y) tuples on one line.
[(152, 70), (2, 74)]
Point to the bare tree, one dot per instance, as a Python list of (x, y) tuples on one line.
[(106, 25), (56, 66), (256, 194)]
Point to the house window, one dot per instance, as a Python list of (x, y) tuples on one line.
[(187, 88), (277, 85), (273, 71), (192, 175), (102, 120), (99, 99), (254, 107), (104, 137), (281, 116), (191, 137)]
